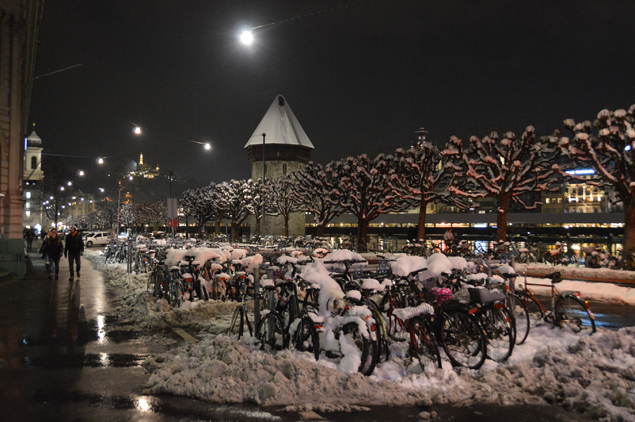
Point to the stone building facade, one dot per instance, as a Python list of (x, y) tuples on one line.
[(19, 23)]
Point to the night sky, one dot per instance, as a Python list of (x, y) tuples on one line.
[(360, 78)]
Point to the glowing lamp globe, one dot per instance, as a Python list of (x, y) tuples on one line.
[(246, 37)]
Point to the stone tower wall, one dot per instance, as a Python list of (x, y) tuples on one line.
[(275, 225)]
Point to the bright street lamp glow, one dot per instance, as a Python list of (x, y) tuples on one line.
[(137, 130), (246, 37), (61, 187), (208, 146), (69, 183), (81, 172), (101, 190), (100, 160)]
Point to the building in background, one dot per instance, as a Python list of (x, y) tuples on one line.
[(19, 24), (287, 148), (33, 176)]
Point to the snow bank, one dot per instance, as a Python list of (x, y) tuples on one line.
[(593, 375)]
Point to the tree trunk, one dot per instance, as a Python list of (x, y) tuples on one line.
[(362, 230), (422, 219), (235, 227), (501, 219), (286, 226), (320, 230), (217, 226), (629, 234)]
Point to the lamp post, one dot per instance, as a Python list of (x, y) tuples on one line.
[(264, 175), (132, 180)]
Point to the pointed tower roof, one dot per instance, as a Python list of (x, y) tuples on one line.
[(33, 138), (281, 127)]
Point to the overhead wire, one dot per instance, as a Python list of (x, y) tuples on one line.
[(308, 15)]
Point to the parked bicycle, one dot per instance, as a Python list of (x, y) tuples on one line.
[(567, 309)]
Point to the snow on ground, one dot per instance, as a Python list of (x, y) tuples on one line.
[(594, 375)]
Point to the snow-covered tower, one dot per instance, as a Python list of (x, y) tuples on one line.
[(287, 148)]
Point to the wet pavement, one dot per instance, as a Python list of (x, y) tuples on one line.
[(65, 355)]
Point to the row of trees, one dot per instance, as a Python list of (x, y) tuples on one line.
[(507, 168), (131, 215)]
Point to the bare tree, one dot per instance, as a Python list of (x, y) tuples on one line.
[(314, 188), (607, 146), (282, 202), (508, 168), (364, 190), (425, 176), (233, 198)]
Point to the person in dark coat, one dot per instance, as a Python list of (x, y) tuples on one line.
[(30, 236), (53, 250), (74, 249)]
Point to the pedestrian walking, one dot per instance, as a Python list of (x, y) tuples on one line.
[(74, 249), (53, 249), (29, 236)]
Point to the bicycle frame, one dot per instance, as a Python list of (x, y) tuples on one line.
[(556, 296)]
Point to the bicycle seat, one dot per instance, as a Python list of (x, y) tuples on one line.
[(555, 277)]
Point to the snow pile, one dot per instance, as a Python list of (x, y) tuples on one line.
[(342, 254), (537, 270), (223, 370), (594, 375), (406, 264)]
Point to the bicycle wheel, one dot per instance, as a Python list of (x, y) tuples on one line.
[(240, 326), (151, 282), (462, 339), (498, 332), (533, 308), (288, 311), (573, 312), (521, 317), (353, 341), (176, 294), (270, 333), (424, 345), (306, 338), (383, 350)]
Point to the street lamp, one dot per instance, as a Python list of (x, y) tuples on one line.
[(247, 37), (81, 172), (132, 180)]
